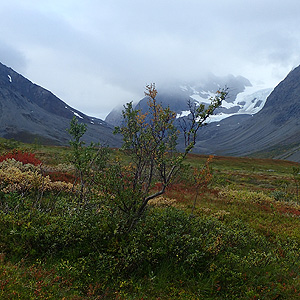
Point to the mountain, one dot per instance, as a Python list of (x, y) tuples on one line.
[(242, 99), (273, 132), (31, 113), (251, 122)]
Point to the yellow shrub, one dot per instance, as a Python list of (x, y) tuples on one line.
[(162, 202), (244, 196), (18, 177)]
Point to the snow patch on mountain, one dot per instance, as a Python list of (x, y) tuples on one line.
[(184, 113), (250, 102), (200, 97), (243, 97), (77, 115)]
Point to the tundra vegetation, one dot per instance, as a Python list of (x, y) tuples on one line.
[(144, 221)]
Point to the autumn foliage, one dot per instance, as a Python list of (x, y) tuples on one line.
[(150, 140), (22, 156)]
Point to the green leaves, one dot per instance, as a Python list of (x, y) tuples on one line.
[(76, 130), (150, 140), (89, 161)]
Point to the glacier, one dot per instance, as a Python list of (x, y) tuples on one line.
[(250, 102)]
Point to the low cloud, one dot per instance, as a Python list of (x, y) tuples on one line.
[(12, 57), (98, 54)]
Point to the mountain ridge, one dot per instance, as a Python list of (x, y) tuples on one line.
[(29, 112), (242, 98), (263, 125), (269, 127), (277, 125)]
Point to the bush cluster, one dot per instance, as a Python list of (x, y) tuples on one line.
[(16, 176), (166, 246), (21, 156), (244, 196), (168, 250), (112, 243)]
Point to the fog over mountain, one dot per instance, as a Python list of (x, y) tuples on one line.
[(99, 54), (243, 97), (252, 121), (274, 131), (30, 113)]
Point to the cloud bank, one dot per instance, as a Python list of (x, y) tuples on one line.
[(95, 55)]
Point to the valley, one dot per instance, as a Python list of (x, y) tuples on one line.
[(79, 221), (252, 121)]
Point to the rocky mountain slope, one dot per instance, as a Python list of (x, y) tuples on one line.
[(263, 122), (274, 131), (31, 113)]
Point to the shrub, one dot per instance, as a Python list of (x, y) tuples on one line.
[(150, 141), (280, 196), (61, 176), (244, 196), (18, 177), (21, 156), (20, 281), (168, 245)]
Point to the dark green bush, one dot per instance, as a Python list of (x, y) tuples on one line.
[(167, 245)]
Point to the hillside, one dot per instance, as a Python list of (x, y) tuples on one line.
[(274, 131), (248, 124), (31, 113), (263, 123)]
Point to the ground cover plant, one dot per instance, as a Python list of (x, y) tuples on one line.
[(71, 228), (238, 241)]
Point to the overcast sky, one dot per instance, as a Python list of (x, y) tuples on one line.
[(95, 54)]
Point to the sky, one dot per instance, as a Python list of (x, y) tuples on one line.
[(98, 54)]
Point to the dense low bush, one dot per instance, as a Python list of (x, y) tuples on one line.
[(16, 176), (64, 233), (21, 156), (167, 251), (20, 281)]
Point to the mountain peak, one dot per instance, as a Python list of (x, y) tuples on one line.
[(243, 98)]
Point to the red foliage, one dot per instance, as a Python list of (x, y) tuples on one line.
[(61, 176), (24, 157), (289, 210)]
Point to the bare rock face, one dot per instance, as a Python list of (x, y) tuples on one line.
[(29, 112)]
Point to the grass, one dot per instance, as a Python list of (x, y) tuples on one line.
[(236, 236), (243, 183)]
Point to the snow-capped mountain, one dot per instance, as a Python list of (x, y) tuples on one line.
[(249, 102), (272, 132), (249, 121), (243, 98)]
